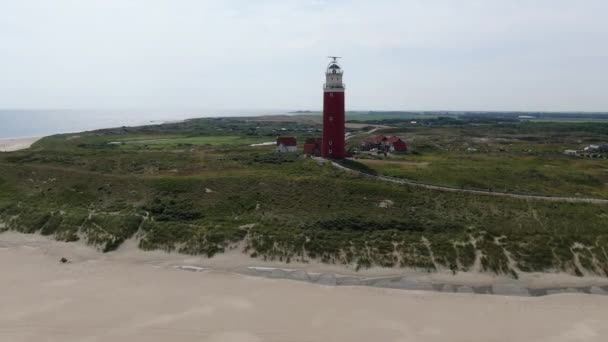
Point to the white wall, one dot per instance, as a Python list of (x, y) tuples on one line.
[(283, 148)]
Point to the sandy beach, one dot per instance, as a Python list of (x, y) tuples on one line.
[(15, 144), (133, 296)]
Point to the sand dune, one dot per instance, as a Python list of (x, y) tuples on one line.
[(107, 298), (15, 144)]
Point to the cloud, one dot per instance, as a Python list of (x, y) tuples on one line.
[(434, 54)]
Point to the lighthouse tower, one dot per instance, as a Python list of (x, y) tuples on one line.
[(333, 112)]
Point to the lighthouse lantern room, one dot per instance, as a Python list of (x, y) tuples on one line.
[(333, 112)]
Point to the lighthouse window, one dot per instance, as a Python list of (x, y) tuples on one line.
[(331, 94)]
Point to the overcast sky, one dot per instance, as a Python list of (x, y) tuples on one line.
[(271, 54)]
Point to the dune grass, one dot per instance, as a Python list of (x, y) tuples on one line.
[(208, 198)]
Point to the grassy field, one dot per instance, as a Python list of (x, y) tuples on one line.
[(355, 116), (382, 116), (181, 141), (520, 157), (562, 175), (198, 188)]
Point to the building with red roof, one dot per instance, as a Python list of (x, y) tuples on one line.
[(383, 143), (312, 147), (398, 146), (287, 144)]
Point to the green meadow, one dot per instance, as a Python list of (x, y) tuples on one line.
[(523, 157)]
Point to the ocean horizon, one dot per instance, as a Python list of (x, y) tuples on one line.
[(25, 123)]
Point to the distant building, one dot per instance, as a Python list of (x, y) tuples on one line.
[(379, 139), (595, 151), (287, 144), (396, 145), (570, 152), (381, 143), (602, 148), (312, 147)]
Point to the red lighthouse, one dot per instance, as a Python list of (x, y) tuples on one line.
[(333, 112)]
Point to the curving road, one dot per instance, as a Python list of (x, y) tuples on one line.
[(469, 191)]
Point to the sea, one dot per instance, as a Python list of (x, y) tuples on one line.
[(37, 123)]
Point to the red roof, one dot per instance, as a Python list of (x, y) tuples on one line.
[(379, 138), (287, 141), (400, 146), (394, 139)]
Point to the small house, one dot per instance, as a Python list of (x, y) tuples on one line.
[(396, 145), (602, 148), (287, 144), (312, 147), (381, 143)]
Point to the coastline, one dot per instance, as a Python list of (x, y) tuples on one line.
[(134, 297), (235, 262), (16, 144)]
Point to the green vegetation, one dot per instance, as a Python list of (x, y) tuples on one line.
[(517, 157), (178, 141), (197, 187)]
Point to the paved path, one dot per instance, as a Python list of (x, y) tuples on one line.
[(470, 191)]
